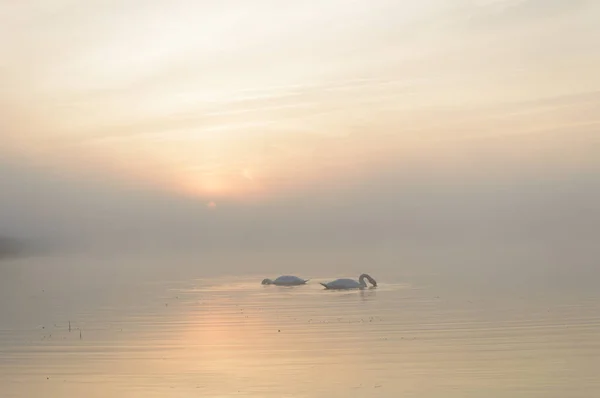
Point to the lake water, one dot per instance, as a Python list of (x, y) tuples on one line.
[(174, 333)]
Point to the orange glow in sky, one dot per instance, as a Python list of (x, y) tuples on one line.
[(249, 100)]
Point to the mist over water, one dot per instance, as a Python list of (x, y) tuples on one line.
[(485, 286)]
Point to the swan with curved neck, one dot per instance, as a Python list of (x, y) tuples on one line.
[(351, 283), (285, 280)]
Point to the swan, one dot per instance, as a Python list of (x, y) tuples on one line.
[(285, 280), (350, 283)]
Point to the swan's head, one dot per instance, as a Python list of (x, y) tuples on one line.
[(267, 281), (368, 277)]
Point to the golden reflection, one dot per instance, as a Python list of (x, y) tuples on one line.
[(241, 338)]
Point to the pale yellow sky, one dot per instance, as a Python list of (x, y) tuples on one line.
[(242, 99)]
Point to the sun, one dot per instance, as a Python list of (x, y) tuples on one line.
[(247, 174), (227, 183)]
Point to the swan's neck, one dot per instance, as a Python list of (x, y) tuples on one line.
[(362, 282)]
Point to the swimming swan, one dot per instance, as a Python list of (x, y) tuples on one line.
[(350, 283), (285, 280)]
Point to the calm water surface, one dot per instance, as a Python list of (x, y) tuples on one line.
[(142, 335)]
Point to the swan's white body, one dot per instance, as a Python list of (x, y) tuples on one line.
[(285, 280), (350, 283)]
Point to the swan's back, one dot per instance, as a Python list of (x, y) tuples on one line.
[(289, 280), (342, 284)]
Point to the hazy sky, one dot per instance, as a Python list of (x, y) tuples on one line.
[(356, 116)]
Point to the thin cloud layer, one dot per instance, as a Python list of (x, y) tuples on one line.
[(191, 95)]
